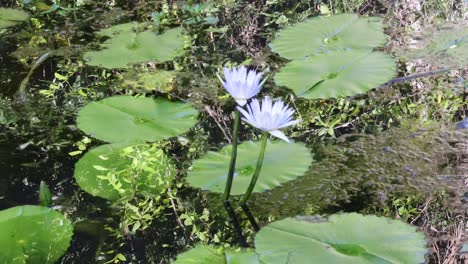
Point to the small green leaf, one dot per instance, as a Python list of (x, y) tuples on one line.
[(45, 196), (74, 153)]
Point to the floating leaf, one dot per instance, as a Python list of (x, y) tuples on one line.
[(324, 34), (110, 172), (336, 74), (130, 119), (282, 162), (10, 17), (342, 238), (120, 28), (33, 234), (45, 196), (204, 254), (127, 47)]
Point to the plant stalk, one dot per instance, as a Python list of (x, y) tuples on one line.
[(234, 221), (230, 176), (232, 164), (253, 181), (25, 81), (251, 218)]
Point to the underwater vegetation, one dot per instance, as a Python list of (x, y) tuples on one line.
[(232, 132)]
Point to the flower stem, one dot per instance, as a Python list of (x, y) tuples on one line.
[(232, 164), (227, 189), (253, 181), (235, 222), (251, 218)]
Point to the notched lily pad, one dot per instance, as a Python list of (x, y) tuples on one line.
[(106, 171), (33, 234), (343, 238), (337, 74), (325, 34), (10, 17), (131, 119), (127, 46), (283, 162)]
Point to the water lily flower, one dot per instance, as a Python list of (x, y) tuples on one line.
[(242, 84), (269, 117), (463, 124)]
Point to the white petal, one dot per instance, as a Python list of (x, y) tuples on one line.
[(290, 123), (279, 134), (241, 102)]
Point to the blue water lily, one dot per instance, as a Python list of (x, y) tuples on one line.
[(242, 84), (463, 124), (269, 116)]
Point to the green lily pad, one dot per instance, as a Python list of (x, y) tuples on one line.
[(33, 234), (282, 162), (10, 17), (324, 34), (343, 238), (131, 119), (127, 47), (120, 28), (114, 171), (204, 254), (337, 74)]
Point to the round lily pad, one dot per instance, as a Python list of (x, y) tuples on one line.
[(205, 254), (282, 162), (342, 238), (10, 17), (33, 234), (126, 47), (114, 171), (131, 119), (337, 74), (325, 34)]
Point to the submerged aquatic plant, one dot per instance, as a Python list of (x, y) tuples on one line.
[(242, 84)]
